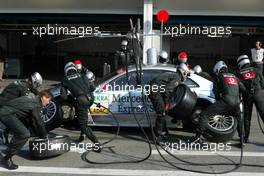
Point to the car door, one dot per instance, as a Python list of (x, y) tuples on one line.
[(127, 104)]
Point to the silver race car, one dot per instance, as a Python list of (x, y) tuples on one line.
[(125, 101)]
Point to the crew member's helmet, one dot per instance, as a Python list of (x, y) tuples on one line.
[(70, 69), (219, 66), (90, 76), (163, 57), (182, 57), (197, 69), (124, 44), (36, 80), (242, 61), (78, 64)]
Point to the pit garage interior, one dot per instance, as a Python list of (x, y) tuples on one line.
[(26, 53)]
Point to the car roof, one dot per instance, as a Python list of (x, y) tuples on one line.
[(131, 68), (157, 66)]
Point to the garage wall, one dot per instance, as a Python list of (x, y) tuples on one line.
[(72, 6), (3, 41), (88, 45), (212, 7), (35, 45), (199, 45), (205, 51), (14, 48), (186, 7)]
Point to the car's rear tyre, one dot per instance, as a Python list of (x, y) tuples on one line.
[(45, 148), (220, 128)]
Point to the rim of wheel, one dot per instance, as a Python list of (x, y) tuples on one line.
[(221, 122), (67, 111), (49, 112)]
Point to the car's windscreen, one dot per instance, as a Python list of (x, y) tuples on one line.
[(147, 76), (105, 78)]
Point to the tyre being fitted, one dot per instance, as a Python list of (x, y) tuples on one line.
[(45, 148), (220, 128), (182, 102)]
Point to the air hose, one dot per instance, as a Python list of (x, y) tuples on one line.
[(84, 156), (190, 163), (157, 143), (260, 126)]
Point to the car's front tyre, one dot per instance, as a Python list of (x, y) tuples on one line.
[(52, 115)]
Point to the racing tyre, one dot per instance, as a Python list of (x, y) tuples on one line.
[(220, 128), (50, 147), (182, 102), (52, 115)]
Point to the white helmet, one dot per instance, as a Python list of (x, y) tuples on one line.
[(36, 80), (218, 66), (197, 69), (70, 66), (124, 44), (242, 61), (184, 69), (163, 56), (90, 76)]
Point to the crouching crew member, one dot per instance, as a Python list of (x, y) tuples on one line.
[(253, 81), (169, 81), (11, 115), (21, 88), (18, 89), (226, 89), (82, 92)]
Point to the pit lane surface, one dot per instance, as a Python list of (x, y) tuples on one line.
[(130, 145)]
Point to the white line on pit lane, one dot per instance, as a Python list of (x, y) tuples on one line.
[(125, 172), (209, 153), (198, 153), (177, 152)]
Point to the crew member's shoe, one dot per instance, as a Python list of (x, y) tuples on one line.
[(97, 147), (246, 140), (160, 125), (81, 138), (8, 164), (198, 139), (240, 145)]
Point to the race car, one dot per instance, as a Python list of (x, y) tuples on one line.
[(121, 94)]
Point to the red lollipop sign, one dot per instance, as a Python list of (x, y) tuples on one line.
[(163, 16)]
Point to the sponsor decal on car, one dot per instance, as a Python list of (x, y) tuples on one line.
[(103, 99)]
